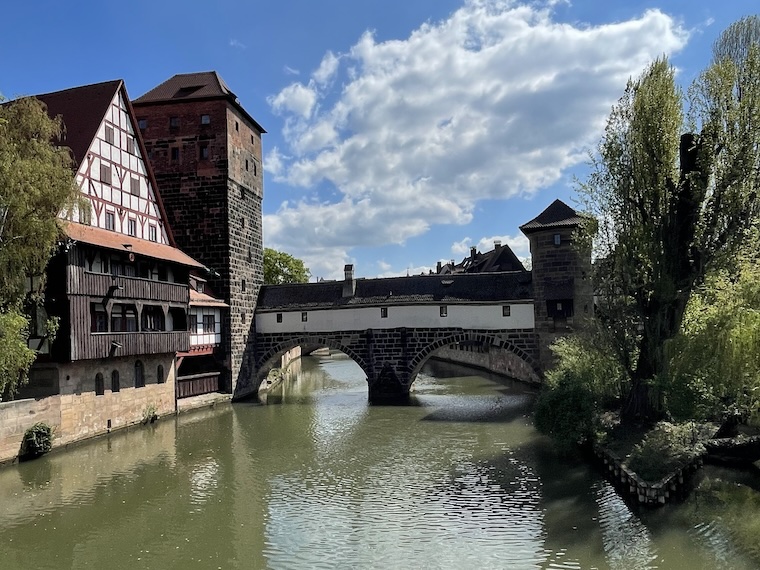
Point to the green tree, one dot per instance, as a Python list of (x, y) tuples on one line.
[(281, 267), (672, 207), (36, 185)]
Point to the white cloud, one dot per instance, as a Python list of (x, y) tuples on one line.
[(495, 101), (237, 44), (291, 71), (518, 243)]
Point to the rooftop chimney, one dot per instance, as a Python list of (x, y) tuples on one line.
[(438, 267), (349, 285), (473, 252), (496, 243)]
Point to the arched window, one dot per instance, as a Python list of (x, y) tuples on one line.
[(139, 375), (100, 387), (160, 374), (115, 386)]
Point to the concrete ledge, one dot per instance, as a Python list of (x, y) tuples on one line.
[(202, 401)]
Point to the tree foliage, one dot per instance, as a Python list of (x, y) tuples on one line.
[(281, 267), (36, 184), (672, 207)]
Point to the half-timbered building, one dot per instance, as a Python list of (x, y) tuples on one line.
[(119, 285)]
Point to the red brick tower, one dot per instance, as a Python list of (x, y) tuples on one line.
[(205, 150)]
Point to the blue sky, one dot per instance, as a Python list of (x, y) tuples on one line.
[(400, 132)]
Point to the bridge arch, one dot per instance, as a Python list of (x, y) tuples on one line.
[(531, 370), (265, 363)]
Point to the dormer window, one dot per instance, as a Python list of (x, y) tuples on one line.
[(200, 287)]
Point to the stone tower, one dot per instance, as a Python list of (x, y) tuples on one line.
[(205, 150), (563, 294)]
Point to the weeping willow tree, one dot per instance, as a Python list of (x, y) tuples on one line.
[(673, 202)]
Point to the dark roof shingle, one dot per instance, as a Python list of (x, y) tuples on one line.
[(557, 215)]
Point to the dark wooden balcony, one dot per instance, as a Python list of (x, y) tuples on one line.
[(122, 287), (90, 345), (197, 384)]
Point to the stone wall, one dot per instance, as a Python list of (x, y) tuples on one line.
[(77, 413), (496, 360)]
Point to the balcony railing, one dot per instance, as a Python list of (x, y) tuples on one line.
[(197, 384), (101, 345), (123, 287)]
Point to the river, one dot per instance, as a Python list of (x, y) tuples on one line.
[(317, 478)]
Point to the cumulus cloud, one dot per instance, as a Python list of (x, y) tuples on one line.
[(518, 243), (493, 102)]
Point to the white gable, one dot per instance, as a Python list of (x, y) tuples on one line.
[(114, 178)]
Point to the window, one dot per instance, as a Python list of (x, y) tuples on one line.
[(250, 255), (279, 317), (242, 317), (152, 233), (105, 173), (175, 153), (160, 376), (173, 122), (205, 120), (203, 154), (100, 385), (253, 140), (242, 285), (255, 169), (132, 227), (109, 134), (506, 311), (98, 318), (237, 126), (209, 325), (134, 186), (304, 317), (131, 145), (246, 165), (200, 287), (139, 375), (193, 323), (142, 124), (557, 239), (153, 319), (123, 318), (383, 312), (115, 386), (110, 221), (444, 311)]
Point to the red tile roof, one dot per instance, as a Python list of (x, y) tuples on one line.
[(205, 300), (125, 243), (83, 109)]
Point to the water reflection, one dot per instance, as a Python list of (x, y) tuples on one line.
[(323, 480)]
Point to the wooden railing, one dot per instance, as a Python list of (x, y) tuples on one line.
[(123, 287), (197, 384), (90, 345)]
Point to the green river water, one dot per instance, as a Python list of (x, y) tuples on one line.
[(317, 478)]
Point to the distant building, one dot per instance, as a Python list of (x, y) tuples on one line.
[(205, 149), (501, 258)]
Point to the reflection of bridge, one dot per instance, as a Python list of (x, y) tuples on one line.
[(390, 327)]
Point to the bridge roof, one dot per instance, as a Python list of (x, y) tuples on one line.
[(419, 289)]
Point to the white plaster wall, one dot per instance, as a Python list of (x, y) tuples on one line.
[(428, 316)]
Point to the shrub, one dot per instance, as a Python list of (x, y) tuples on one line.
[(37, 441), (566, 412), (668, 447)]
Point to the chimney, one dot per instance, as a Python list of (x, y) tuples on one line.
[(438, 267), (473, 252), (496, 243), (349, 285)]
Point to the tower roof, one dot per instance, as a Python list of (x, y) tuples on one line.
[(557, 215), (82, 109), (193, 86)]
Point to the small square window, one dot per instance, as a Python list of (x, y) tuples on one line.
[(304, 317), (109, 134), (110, 221), (279, 317), (205, 120), (132, 227), (506, 311), (557, 239), (175, 153), (383, 312), (152, 233), (142, 124), (105, 173), (134, 186), (444, 311), (173, 122)]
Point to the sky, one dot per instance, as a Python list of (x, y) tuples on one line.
[(399, 132)]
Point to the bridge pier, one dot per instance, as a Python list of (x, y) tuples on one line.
[(387, 388)]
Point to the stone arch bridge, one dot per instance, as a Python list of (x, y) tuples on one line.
[(390, 327)]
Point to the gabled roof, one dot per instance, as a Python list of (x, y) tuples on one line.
[(83, 109), (127, 244), (190, 86), (501, 258), (420, 289), (557, 215)]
